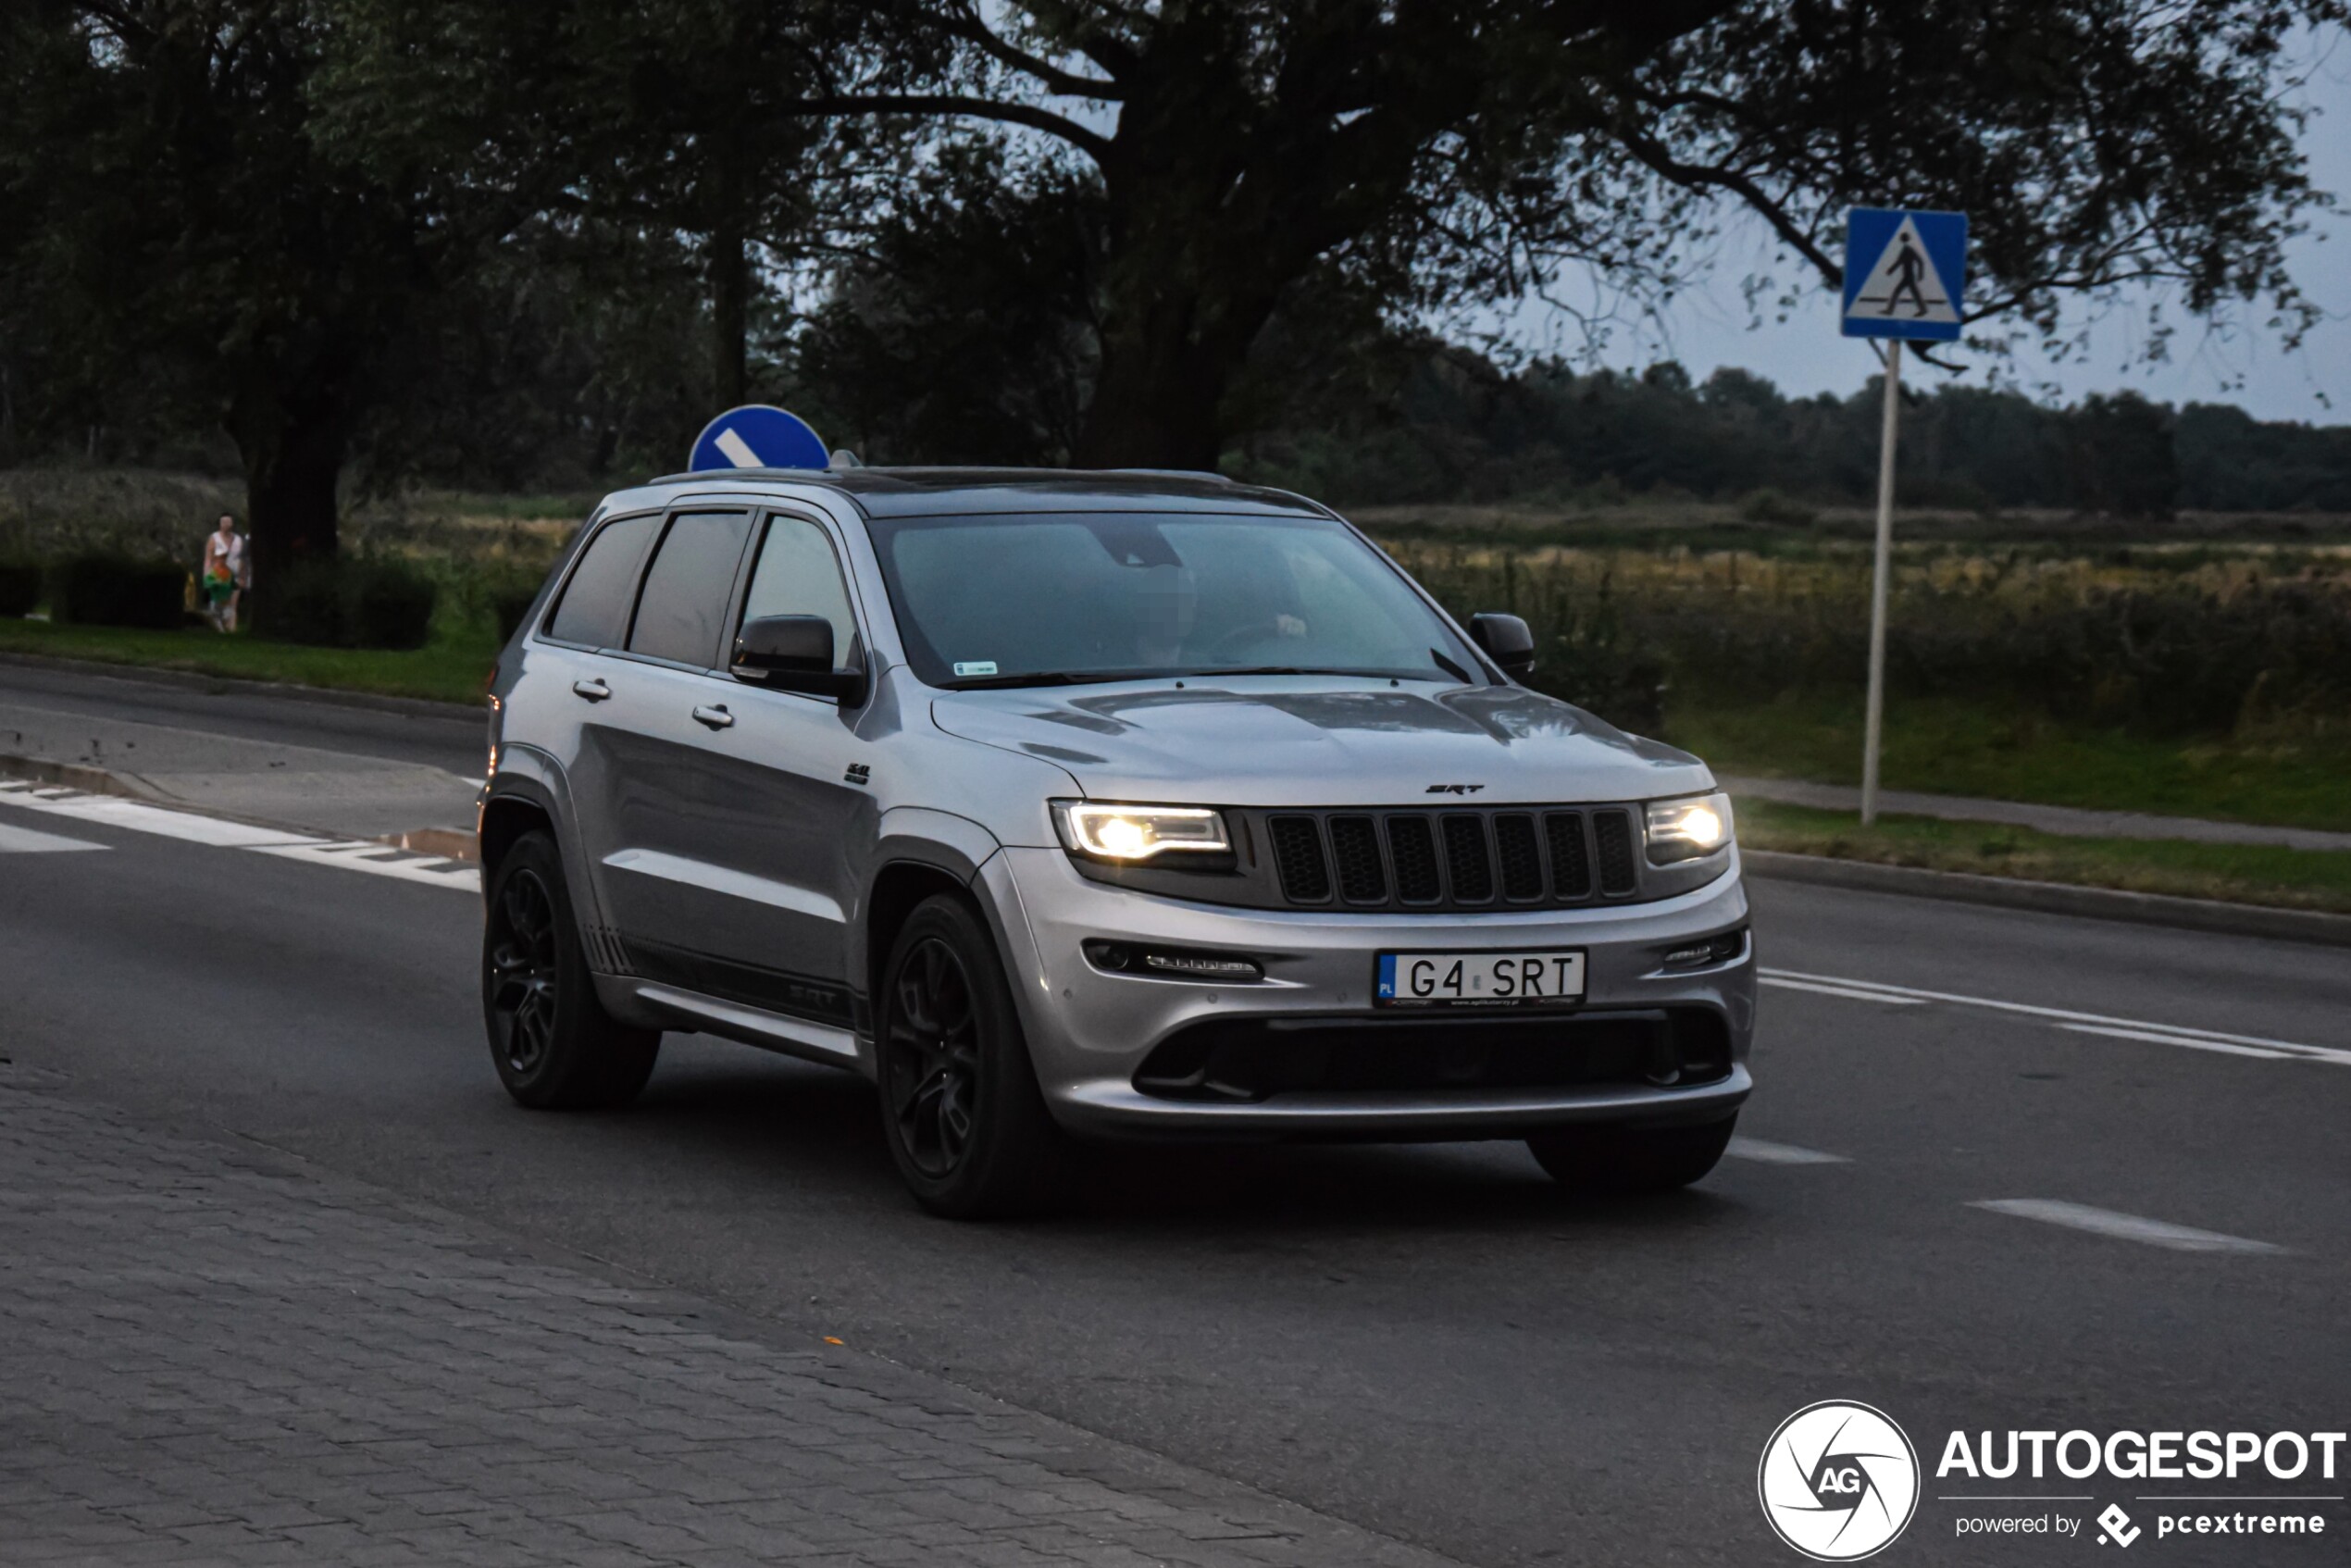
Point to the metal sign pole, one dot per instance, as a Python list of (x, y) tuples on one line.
[(1873, 723)]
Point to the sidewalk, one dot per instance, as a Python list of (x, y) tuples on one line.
[(2071, 821), (328, 792), (220, 1355)]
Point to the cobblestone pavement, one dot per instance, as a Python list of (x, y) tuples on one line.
[(214, 1354)]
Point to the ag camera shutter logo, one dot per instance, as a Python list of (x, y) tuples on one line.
[(1839, 1481)]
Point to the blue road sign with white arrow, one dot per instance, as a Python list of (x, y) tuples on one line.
[(1904, 274), (756, 435)]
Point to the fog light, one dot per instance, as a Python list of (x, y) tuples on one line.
[(1172, 963), (1706, 954)]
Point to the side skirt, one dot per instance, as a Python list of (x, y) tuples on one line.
[(670, 1007)]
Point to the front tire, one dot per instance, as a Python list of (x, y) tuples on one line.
[(555, 1046), (1630, 1159), (961, 1111)]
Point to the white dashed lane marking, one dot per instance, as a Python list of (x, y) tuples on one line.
[(2064, 1018), (1850, 992), (137, 816), (2123, 1227), (24, 840), (2150, 1035), (1765, 1153)]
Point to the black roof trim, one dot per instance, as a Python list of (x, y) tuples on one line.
[(916, 491)]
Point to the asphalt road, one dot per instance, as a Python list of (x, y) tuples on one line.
[(1428, 1341)]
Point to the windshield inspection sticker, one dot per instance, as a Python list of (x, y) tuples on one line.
[(976, 667)]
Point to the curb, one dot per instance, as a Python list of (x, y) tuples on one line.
[(2055, 898), (414, 707), (75, 776)]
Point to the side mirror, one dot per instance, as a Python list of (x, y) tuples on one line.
[(1506, 641), (794, 653)]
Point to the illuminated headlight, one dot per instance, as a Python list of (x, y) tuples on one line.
[(1137, 833), (1685, 829)]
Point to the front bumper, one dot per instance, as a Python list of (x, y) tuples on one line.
[(1089, 1030)]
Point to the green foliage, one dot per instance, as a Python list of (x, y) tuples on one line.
[(350, 603), (2239, 873), (1768, 505), (955, 336), (1995, 748), (450, 668), (109, 589)]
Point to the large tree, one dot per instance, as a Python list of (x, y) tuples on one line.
[(1436, 152), (309, 222), (185, 222)]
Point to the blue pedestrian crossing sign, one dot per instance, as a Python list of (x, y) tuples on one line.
[(756, 435), (1904, 274)]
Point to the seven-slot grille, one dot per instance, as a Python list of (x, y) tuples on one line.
[(1492, 859)]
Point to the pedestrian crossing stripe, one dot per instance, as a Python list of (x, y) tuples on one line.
[(1904, 275)]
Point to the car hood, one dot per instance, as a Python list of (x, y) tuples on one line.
[(1321, 741)]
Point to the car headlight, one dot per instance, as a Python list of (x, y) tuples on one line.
[(1129, 834), (1685, 829)]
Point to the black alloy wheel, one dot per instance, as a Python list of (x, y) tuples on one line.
[(555, 1046), (961, 1111), (523, 975), (933, 1071)]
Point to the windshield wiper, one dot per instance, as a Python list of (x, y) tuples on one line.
[(1268, 669), (1001, 682), (1449, 667), (1053, 677)]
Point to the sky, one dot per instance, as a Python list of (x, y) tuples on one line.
[(1710, 326)]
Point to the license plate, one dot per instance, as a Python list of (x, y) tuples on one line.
[(1478, 979)]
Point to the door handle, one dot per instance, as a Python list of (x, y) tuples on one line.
[(717, 718), (594, 690)]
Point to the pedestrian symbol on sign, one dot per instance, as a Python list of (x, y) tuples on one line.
[(1903, 273)]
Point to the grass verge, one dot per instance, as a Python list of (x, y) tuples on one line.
[(451, 669), (2234, 873), (1997, 751)]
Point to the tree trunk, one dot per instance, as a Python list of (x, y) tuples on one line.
[(729, 272), (1171, 348), (1155, 405), (292, 462)]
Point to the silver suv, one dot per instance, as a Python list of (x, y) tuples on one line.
[(1094, 806)]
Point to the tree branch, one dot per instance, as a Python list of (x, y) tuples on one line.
[(1692, 177), (1092, 144), (969, 26)]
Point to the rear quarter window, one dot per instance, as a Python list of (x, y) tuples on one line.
[(594, 609), (686, 588)]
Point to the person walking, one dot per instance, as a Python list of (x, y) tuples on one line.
[(226, 575), (1908, 268)]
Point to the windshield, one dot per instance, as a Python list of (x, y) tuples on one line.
[(1022, 599)]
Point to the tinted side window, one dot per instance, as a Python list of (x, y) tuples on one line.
[(686, 588), (798, 575), (596, 606)]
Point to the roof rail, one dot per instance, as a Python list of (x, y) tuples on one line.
[(702, 474), (1209, 473)]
